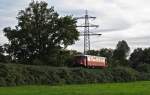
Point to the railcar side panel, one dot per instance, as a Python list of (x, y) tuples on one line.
[(91, 61), (96, 61)]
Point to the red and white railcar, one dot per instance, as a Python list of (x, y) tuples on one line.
[(90, 61)]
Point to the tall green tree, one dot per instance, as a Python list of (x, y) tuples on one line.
[(136, 57), (121, 52), (1, 54), (139, 57), (40, 32)]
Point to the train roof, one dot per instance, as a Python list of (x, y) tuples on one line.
[(89, 55)]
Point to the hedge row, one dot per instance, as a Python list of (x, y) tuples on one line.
[(15, 74)]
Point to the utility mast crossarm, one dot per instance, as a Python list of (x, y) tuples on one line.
[(87, 33)]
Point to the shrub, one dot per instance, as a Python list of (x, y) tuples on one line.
[(124, 74), (15, 74)]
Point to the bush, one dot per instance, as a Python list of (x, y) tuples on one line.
[(124, 74), (15, 74)]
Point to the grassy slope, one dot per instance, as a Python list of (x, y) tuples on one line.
[(135, 88)]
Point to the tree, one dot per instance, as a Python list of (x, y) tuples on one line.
[(1, 54), (93, 52), (66, 57), (146, 56), (106, 53), (136, 57), (140, 57), (39, 32), (121, 52)]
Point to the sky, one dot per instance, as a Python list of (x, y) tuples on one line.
[(118, 20)]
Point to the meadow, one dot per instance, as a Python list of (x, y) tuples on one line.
[(131, 88)]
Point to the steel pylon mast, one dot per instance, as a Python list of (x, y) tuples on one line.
[(87, 33)]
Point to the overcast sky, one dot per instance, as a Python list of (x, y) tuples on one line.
[(118, 20)]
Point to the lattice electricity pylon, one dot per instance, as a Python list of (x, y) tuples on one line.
[(87, 33)]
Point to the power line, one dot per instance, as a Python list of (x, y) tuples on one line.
[(87, 33)]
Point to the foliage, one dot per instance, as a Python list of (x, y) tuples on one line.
[(143, 68), (15, 74), (108, 53), (3, 57), (124, 74), (66, 57), (121, 51), (1, 54), (40, 31), (139, 57), (136, 57), (114, 57), (93, 52), (146, 55), (104, 52)]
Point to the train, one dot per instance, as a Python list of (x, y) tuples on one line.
[(90, 61)]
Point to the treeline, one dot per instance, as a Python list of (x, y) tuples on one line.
[(139, 59), (37, 54), (42, 36), (121, 69)]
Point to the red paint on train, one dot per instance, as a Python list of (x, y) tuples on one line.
[(90, 61)]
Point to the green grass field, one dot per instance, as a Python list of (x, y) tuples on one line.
[(134, 88)]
